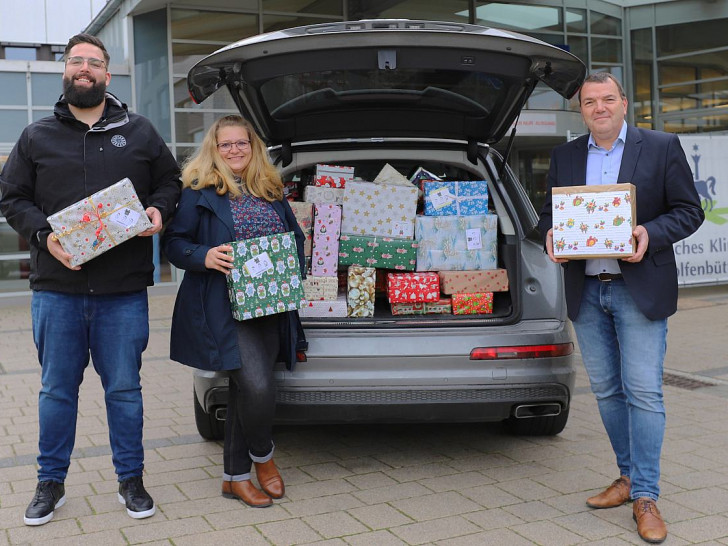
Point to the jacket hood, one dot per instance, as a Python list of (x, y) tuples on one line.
[(116, 112)]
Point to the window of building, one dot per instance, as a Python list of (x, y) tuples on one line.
[(605, 24), (693, 36), (521, 17), (452, 10), (218, 26), (320, 7), (46, 88), (576, 20), (15, 91), (12, 123), (20, 53)]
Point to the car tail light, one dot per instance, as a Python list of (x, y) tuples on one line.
[(522, 351), (300, 356)]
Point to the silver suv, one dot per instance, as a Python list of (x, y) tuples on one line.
[(412, 94)]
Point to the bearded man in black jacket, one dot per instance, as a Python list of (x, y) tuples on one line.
[(96, 311)]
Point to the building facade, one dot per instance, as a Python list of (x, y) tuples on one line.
[(671, 55)]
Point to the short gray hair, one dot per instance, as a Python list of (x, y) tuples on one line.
[(603, 77)]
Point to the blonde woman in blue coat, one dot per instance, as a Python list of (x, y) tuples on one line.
[(232, 192)]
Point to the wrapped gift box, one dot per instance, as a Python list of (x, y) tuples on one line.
[(467, 198), (100, 222), (319, 195), (379, 209), (378, 252), (472, 304), (333, 176), (324, 308), (457, 243), (304, 216), (266, 276), (488, 280), (360, 291), (291, 190), (390, 175), (320, 288), (412, 287), (593, 221), (326, 231), (442, 306), (422, 175)]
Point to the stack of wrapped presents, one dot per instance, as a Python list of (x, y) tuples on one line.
[(367, 242)]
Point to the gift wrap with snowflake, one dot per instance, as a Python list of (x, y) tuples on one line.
[(100, 222), (457, 243), (594, 221), (266, 277)]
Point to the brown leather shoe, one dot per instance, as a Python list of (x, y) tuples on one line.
[(614, 495), (650, 525), (246, 492), (269, 479)]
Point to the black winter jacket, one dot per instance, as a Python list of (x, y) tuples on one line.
[(58, 161)]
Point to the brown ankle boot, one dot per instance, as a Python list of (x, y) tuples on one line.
[(269, 479), (246, 492)]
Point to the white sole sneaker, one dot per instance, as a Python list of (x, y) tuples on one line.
[(137, 515), (47, 518)]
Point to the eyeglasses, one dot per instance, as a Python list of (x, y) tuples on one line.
[(92, 62), (227, 146)]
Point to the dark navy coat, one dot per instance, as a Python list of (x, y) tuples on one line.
[(668, 206), (203, 329)]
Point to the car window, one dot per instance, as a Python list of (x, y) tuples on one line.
[(472, 92)]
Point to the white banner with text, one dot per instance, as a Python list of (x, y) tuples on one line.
[(702, 258)]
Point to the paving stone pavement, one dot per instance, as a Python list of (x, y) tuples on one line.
[(450, 485)]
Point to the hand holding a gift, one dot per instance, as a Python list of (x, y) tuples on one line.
[(155, 217), (220, 258), (550, 248), (56, 250), (642, 239)]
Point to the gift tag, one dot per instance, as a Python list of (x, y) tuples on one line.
[(125, 217), (441, 198), (402, 229), (473, 239), (257, 265)]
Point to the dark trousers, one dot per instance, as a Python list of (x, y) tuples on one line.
[(251, 398)]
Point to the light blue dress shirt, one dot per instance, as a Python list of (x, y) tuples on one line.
[(602, 167)]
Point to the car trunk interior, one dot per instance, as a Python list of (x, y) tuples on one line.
[(504, 303)]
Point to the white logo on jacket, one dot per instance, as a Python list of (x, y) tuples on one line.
[(118, 141)]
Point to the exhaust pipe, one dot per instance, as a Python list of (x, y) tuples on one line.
[(220, 414), (527, 411)]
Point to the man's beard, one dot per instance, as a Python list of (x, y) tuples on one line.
[(84, 97)]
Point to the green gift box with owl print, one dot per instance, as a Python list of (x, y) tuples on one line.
[(266, 277)]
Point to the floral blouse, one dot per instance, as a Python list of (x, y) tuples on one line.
[(254, 217)]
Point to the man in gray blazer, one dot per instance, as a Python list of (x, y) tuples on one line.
[(619, 307)]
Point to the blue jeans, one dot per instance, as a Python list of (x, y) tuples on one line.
[(113, 330), (623, 352)]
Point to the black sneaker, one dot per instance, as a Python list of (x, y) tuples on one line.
[(48, 496), (138, 503)]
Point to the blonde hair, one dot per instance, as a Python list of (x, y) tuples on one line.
[(206, 168)]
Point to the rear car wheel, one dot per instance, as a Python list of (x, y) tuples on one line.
[(208, 426), (537, 426)]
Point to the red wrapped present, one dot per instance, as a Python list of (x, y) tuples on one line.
[(333, 176), (472, 304), (412, 287)]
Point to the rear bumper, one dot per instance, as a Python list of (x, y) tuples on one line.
[(457, 403)]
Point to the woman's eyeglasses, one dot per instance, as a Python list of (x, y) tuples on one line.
[(92, 62), (227, 146)]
